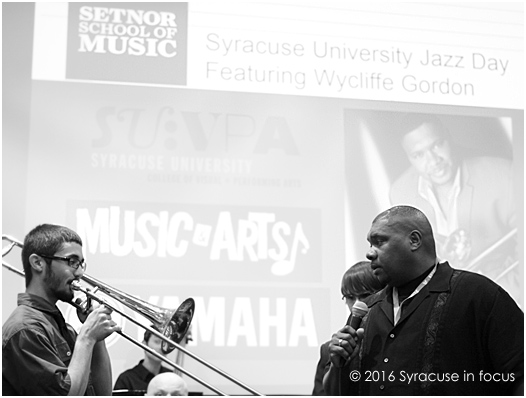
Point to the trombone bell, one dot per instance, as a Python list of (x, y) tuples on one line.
[(178, 325), (173, 324)]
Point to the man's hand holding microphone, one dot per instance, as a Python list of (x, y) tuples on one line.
[(345, 342)]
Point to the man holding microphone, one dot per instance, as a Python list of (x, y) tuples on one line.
[(433, 330)]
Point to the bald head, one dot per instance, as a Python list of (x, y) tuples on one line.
[(402, 245), (407, 219), (167, 383)]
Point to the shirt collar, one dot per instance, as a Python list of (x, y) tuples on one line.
[(397, 306), (380, 296), (439, 283), (144, 373), (37, 302)]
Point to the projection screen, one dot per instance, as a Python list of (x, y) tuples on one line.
[(236, 153)]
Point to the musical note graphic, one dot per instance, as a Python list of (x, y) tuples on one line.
[(285, 267)]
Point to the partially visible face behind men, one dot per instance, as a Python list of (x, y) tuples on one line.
[(350, 299), (155, 343), (430, 154)]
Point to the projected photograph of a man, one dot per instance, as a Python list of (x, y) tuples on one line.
[(459, 171)]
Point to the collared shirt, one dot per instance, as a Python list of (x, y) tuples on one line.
[(35, 355), (447, 220), (449, 332), (136, 379)]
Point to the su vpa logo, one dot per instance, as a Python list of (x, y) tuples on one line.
[(126, 42)]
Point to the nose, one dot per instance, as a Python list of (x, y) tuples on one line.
[(371, 254), (78, 272), (432, 157)]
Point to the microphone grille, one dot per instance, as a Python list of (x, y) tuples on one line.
[(359, 309)]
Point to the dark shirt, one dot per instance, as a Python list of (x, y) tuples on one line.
[(136, 379), (321, 369), (465, 326), (35, 355), (405, 290), (324, 364)]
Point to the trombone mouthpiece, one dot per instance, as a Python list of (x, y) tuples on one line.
[(75, 285)]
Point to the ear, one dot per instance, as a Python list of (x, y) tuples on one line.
[(415, 239), (37, 263)]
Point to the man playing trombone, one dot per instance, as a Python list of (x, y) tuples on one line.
[(41, 354)]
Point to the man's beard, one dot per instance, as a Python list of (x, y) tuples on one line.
[(56, 286)]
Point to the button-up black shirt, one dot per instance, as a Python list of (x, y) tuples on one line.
[(35, 355), (471, 329)]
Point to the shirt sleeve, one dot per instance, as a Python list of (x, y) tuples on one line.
[(35, 364), (504, 333)]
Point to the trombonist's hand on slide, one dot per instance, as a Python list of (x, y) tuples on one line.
[(99, 325), (96, 319), (344, 345), (84, 308)]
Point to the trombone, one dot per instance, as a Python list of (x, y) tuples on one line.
[(173, 324)]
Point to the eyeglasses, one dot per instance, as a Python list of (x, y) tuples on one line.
[(73, 262)]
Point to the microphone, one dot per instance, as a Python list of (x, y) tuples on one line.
[(358, 310)]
